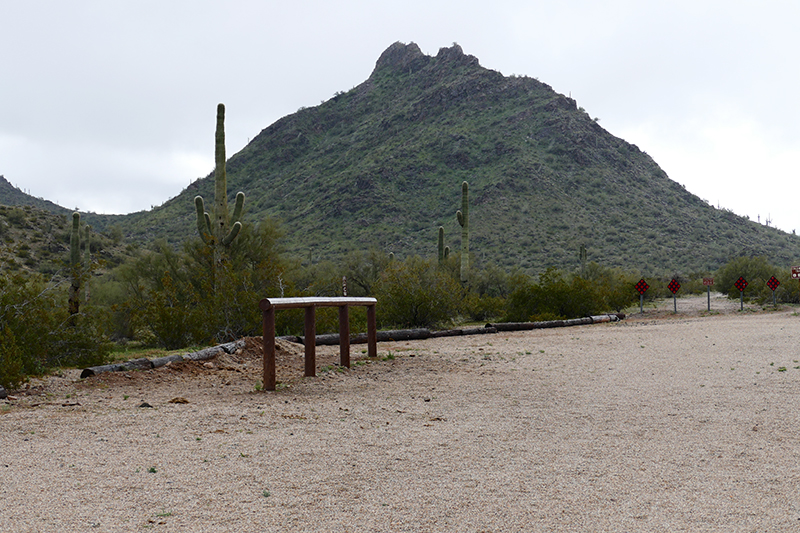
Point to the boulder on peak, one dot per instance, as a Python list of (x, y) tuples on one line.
[(402, 57), (455, 54)]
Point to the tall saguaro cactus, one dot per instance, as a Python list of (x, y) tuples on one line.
[(87, 231), (220, 232), (463, 219), (75, 264)]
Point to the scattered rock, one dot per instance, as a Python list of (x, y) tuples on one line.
[(145, 404), (178, 399), (3, 393)]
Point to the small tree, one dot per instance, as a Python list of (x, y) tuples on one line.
[(415, 293)]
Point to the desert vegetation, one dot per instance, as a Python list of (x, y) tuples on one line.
[(162, 296), (557, 219)]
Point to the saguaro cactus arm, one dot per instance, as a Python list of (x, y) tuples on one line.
[(441, 244), (203, 220), (75, 241), (463, 218)]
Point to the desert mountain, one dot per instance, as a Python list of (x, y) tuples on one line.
[(381, 166)]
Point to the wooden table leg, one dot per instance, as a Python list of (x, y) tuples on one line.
[(372, 332), (311, 342), (268, 317), (344, 336)]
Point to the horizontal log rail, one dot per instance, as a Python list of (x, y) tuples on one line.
[(268, 307)]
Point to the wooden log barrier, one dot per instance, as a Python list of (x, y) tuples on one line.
[(268, 307)]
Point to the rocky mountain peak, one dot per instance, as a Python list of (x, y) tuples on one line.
[(402, 57)]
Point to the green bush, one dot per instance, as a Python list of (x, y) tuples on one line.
[(38, 333), (11, 367), (416, 293), (177, 299), (757, 271), (558, 295)]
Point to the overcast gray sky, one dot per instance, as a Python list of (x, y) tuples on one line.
[(109, 106)]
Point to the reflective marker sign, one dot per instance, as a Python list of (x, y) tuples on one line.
[(673, 286), (773, 283), (642, 286)]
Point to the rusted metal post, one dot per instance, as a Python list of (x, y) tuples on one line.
[(268, 319), (372, 332), (311, 342), (344, 336)]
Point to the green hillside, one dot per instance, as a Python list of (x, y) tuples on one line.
[(381, 166)]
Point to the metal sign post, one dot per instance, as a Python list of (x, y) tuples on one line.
[(773, 283), (708, 282), (642, 287), (741, 284), (673, 287)]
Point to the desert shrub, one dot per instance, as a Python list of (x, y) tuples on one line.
[(484, 308), (615, 287), (363, 271), (558, 295), (756, 270), (11, 368), (191, 297), (38, 333), (416, 293), (490, 281), (16, 217)]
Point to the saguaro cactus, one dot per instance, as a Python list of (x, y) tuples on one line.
[(219, 232), (443, 250), (463, 219), (583, 256), (87, 231), (75, 264)]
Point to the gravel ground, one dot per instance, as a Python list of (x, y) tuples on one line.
[(661, 422)]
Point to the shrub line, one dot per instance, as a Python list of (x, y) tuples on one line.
[(333, 338)]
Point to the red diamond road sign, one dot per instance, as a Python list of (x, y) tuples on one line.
[(741, 284), (673, 286), (642, 286), (773, 283)]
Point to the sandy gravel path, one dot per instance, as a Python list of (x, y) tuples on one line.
[(657, 423)]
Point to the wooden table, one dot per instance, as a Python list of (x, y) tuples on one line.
[(268, 307)]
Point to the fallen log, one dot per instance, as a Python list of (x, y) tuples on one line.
[(446, 333), (522, 326), (95, 370), (203, 355), (162, 361), (463, 331), (478, 331), (146, 364), (599, 319), (327, 339), (137, 364)]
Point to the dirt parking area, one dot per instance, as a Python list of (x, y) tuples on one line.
[(661, 422)]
